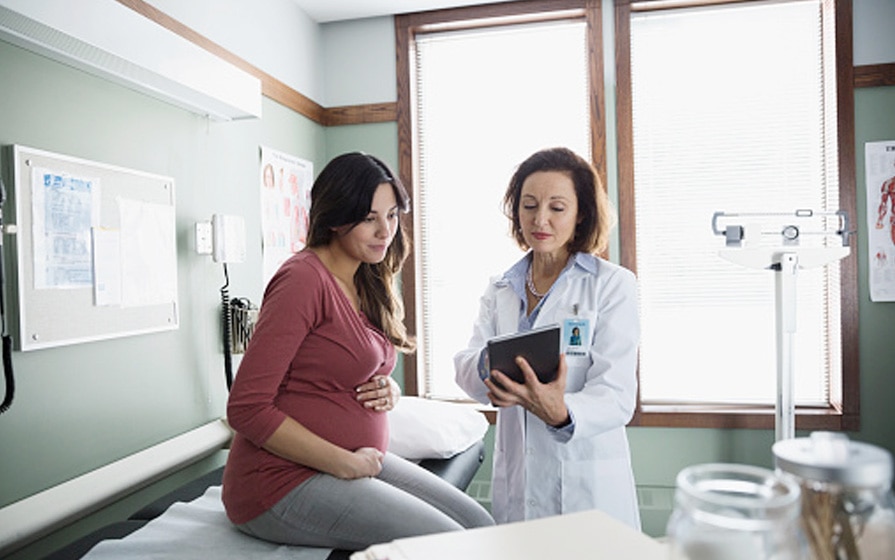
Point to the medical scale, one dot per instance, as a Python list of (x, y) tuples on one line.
[(746, 236)]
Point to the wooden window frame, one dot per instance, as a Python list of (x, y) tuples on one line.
[(840, 415), (510, 13)]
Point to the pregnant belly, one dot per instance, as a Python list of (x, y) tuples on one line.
[(338, 418)]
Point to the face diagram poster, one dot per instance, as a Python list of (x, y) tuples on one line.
[(65, 208), (880, 172), (285, 203)]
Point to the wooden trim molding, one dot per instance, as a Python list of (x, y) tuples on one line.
[(875, 75), (627, 223), (593, 16), (404, 113), (739, 417), (850, 404), (361, 114)]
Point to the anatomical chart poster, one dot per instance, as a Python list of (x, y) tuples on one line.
[(880, 171), (285, 202)]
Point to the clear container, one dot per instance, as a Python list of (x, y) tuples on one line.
[(848, 512), (735, 512)]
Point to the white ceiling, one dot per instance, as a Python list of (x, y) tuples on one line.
[(323, 11)]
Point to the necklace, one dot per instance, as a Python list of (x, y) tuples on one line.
[(530, 283)]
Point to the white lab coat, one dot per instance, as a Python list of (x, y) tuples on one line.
[(541, 471)]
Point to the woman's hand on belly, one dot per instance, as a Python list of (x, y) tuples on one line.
[(292, 441), (380, 393)]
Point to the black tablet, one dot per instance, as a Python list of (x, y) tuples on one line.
[(540, 347)]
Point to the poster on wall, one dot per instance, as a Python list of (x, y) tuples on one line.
[(880, 172), (65, 209), (285, 183)]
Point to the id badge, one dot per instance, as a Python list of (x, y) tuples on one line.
[(575, 336)]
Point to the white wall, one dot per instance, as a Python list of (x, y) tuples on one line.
[(275, 36), (874, 31), (359, 61), (335, 64)]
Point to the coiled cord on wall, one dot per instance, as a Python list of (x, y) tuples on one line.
[(7, 340), (225, 318), (7, 374)]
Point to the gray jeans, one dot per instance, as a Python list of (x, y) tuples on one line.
[(405, 500)]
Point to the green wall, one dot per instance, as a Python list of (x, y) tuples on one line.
[(874, 121), (82, 406)]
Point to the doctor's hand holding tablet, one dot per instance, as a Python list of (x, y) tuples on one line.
[(527, 369)]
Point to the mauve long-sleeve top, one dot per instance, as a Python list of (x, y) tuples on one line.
[(309, 351)]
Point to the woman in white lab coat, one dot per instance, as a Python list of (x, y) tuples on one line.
[(560, 447)]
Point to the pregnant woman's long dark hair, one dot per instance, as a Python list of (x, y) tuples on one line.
[(343, 195)]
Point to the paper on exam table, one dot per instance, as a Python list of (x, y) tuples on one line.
[(197, 530), (589, 534)]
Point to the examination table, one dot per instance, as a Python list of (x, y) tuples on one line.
[(190, 522)]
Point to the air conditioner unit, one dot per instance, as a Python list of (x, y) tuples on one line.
[(112, 41)]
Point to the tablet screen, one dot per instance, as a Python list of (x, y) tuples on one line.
[(540, 347)]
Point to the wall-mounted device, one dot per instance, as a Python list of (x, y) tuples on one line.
[(224, 238), (228, 238), (243, 316)]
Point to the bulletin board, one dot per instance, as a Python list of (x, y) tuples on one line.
[(95, 253)]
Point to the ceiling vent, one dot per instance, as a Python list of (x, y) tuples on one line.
[(109, 40)]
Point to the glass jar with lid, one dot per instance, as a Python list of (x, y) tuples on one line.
[(735, 512), (848, 512)]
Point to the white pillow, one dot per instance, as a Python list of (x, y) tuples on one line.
[(424, 429)]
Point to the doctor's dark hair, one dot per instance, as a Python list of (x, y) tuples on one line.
[(596, 214), (342, 195)]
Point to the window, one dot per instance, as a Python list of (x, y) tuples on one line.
[(477, 95), (656, 200), (722, 121), (485, 97)]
